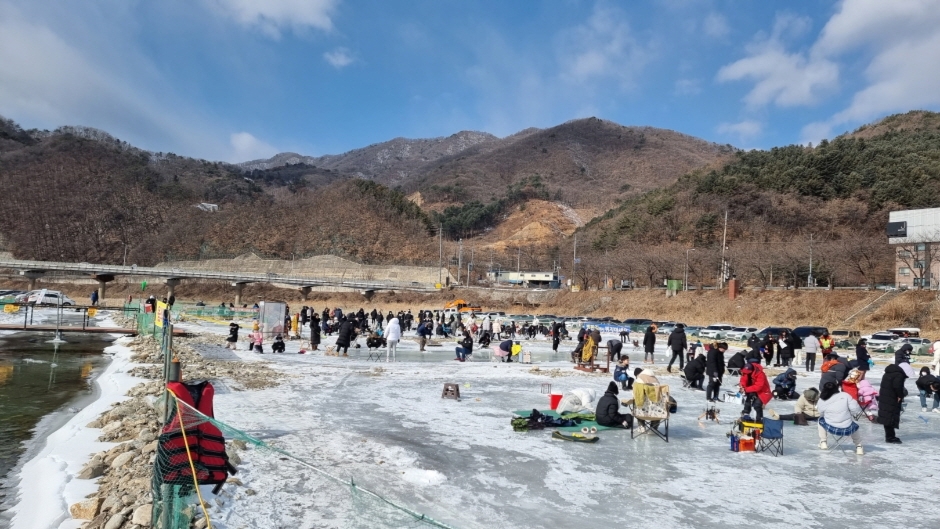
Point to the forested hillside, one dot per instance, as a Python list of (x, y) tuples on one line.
[(838, 193)]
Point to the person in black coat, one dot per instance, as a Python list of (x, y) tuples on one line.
[(891, 395), (649, 344), (345, 336), (678, 343), (608, 410), (715, 369), (928, 385), (770, 343), (614, 347), (737, 360), (695, 372), (465, 348), (314, 331), (862, 356), (556, 335)]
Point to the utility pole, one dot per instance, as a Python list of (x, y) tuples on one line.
[(685, 282), (459, 259), (574, 261), (440, 261), (809, 279), (724, 243), (518, 258), (469, 266)]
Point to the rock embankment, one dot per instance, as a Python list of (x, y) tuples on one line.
[(124, 499)]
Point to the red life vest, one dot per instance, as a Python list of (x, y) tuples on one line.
[(206, 443)]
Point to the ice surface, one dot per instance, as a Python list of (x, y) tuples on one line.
[(386, 426)]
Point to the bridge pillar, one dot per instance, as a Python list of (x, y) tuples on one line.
[(103, 280), (239, 287), (304, 292), (368, 294), (32, 276), (171, 285)]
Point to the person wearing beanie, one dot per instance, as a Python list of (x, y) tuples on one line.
[(608, 410), (756, 388), (862, 357), (902, 359), (805, 408), (928, 385), (677, 343)]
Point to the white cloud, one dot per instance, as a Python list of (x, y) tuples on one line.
[(273, 16), (602, 48), (896, 44), (716, 25), (339, 58), (744, 130), (246, 147), (687, 87), (782, 78)]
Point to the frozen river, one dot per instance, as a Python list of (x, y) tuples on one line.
[(387, 427)]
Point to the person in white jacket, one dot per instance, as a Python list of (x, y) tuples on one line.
[(936, 356), (836, 416), (392, 337), (810, 348)]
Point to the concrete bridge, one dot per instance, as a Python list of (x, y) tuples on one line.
[(34, 270)]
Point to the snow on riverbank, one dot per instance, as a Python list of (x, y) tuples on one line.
[(46, 483)]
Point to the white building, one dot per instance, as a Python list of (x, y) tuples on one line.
[(524, 278), (915, 234)]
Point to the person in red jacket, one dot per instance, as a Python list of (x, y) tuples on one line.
[(756, 389)]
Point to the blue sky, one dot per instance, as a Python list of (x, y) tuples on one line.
[(240, 79)]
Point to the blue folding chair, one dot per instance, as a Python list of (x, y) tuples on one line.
[(839, 435), (771, 439)]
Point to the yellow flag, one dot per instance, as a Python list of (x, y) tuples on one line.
[(161, 306), (92, 312), (11, 308)]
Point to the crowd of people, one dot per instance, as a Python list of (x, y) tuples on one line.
[(844, 395)]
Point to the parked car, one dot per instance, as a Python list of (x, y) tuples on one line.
[(51, 297), (637, 324), (881, 340), (805, 330), (21, 298), (906, 332), (693, 330), (716, 331), (667, 328), (773, 332), (846, 334), (741, 334)]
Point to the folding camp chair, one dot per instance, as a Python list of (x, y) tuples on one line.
[(650, 409), (375, 354), (868, 410), (685, 381), (771, 438), (838, 435)]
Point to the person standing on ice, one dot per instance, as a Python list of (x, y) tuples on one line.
[(649, 344), (678, 344), (715, 370), (392, 337), (890, 401), (314, 331), (232, 339), (345, 336)]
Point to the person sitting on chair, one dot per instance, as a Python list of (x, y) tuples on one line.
[(695, 372), (466, 347), (608, 410), (375, 340), (756, 389), (736, 362), (805, 408), (836, 411), (621, 373), (278, 345), (785, 385)]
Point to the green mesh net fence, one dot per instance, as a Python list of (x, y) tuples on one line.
[(267, 491)]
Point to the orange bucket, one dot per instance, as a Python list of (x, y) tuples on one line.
[(553, 400), (747, 444)]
